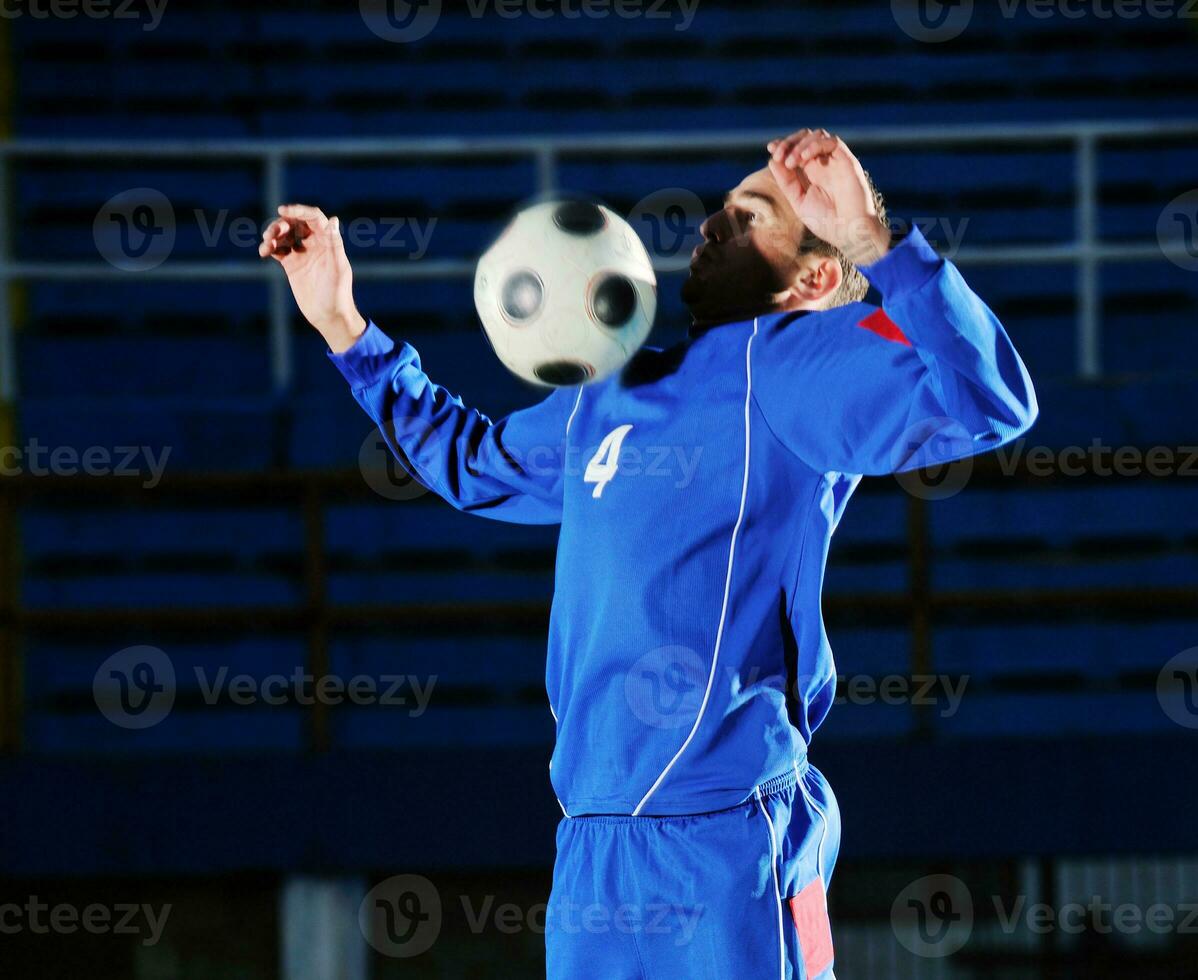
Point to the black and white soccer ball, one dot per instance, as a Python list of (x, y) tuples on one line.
[(567, 293)]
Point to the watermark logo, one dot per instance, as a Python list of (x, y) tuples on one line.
[(1177, 231), (135, 687), (932, 21), (1177, 688), (400, 21), (933, 458), (933, 916), (88, 9), (401, 917), (381, 468), (668, 223), (135, 230), (665, 688)]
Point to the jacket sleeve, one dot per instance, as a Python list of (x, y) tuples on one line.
[(930, 377), (509, 470)]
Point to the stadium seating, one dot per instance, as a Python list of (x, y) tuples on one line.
[(187, 365)]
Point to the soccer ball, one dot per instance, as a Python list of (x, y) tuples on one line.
[(566, 294)]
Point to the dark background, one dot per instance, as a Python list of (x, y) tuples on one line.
[(1062, 596)]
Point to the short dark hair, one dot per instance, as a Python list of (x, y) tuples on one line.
[(853, 285)]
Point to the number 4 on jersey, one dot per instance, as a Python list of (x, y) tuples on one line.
[(604, 463)]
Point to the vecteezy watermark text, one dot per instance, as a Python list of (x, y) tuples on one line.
[(137, 688), (36, 459), (150, 11), (389, 478), (934, 916), (403, 916), (938, 21), (137, 230), (406, 234), (39, 918), (300, 687), (405, 21), (666, 686), (1099, 459)]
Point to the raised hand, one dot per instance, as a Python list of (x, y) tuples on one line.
[(308, 246), (827, 187)]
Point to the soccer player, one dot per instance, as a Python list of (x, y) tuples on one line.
[(688, 665)]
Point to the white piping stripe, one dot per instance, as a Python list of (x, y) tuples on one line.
[(577, 402), (777, 887), (819, 851), (569, 421), (744, 492)]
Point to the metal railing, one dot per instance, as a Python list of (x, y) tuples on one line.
[(1087, 252)]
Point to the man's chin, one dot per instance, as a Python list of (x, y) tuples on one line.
[(694, 289), (704, 295)]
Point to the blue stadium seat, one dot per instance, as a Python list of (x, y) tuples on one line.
[(1047, 343), (423, 585), (503, 664), (434, 185), (66, 669), (426, 525), (1063, 515), (1105, 650), (1111, 571), (215, 433), (137, 303), (67, 367), (871, 651), (459, 727), (186, 366), (105, 589), (105, 125), (888, 576), (871, 520), (1054, 714), (876, 720), (56, 535), (1147, 343), (196, 733), (308, 27)]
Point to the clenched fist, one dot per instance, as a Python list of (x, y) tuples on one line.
[(308, 246)]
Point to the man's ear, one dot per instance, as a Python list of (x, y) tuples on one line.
[(819, 276)]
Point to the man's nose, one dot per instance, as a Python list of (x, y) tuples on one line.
[(715, 227)]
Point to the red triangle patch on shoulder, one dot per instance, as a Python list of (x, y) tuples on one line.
[(883, 326)]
